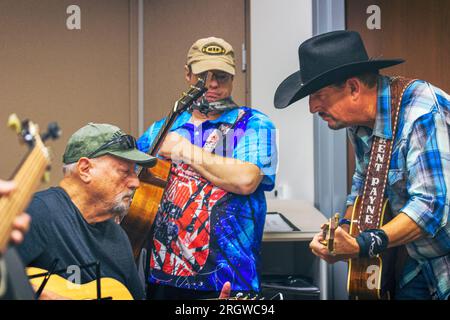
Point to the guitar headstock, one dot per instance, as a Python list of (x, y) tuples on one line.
[(192, 94), (328, 230), (28, 133)]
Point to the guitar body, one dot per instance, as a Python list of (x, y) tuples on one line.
[(110, 288), (146, 199), (371, 278)]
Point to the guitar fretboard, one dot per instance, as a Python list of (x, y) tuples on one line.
[(27, 180)]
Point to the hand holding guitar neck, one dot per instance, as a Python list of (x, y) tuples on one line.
[(328, 230)]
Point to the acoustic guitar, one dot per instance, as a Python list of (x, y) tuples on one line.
[(372, 278), (27, 178), (147, 197), (368, 278), (111, 289)]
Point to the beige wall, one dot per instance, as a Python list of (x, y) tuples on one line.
[(171, 26), (49, 73)]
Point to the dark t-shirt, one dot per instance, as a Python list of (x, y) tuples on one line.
[(59, 231)]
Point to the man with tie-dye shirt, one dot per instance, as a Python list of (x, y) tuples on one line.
[(209, 226), (347, 91)]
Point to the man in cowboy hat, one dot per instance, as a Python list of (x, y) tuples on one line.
[(346, 90)]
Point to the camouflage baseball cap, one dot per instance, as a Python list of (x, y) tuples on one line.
[(211, 54), (98, 139)]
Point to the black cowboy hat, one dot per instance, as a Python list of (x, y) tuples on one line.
[(326, 59)]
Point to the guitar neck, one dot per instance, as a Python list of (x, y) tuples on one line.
[(187, 98), (27, 180), (170, 119)]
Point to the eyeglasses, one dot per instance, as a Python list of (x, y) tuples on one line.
[(220, 77), (125, 142)]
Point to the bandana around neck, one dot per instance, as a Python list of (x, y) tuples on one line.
[(205, 107)]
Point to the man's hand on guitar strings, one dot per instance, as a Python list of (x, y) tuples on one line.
[(345, 247)]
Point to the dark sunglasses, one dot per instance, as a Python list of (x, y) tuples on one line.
[(220, 77), (125, 142)]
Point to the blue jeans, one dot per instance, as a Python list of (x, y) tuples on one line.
[(416, 289)]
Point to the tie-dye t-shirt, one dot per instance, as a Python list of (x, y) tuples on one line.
[(203, 235)]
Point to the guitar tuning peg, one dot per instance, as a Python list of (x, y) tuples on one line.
[(53, 132), (14, 123), (46, 177), (336, 218)]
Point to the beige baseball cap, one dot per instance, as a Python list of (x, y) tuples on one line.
[(211, 54)]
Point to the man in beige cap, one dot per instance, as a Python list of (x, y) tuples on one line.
[(209, 226)]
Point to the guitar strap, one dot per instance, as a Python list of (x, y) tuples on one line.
[(214, 138), (370, 215), (16, 286)]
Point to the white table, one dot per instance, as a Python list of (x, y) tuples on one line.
[(302, 214)]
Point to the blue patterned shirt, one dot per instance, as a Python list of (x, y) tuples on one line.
[(419, 174), (204, 235)]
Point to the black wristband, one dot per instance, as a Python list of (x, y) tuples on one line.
[(344, 221), (372, 242)]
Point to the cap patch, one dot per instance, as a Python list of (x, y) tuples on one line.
[(213, 49)]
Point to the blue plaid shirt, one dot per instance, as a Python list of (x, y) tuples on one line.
[(418, 177)]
